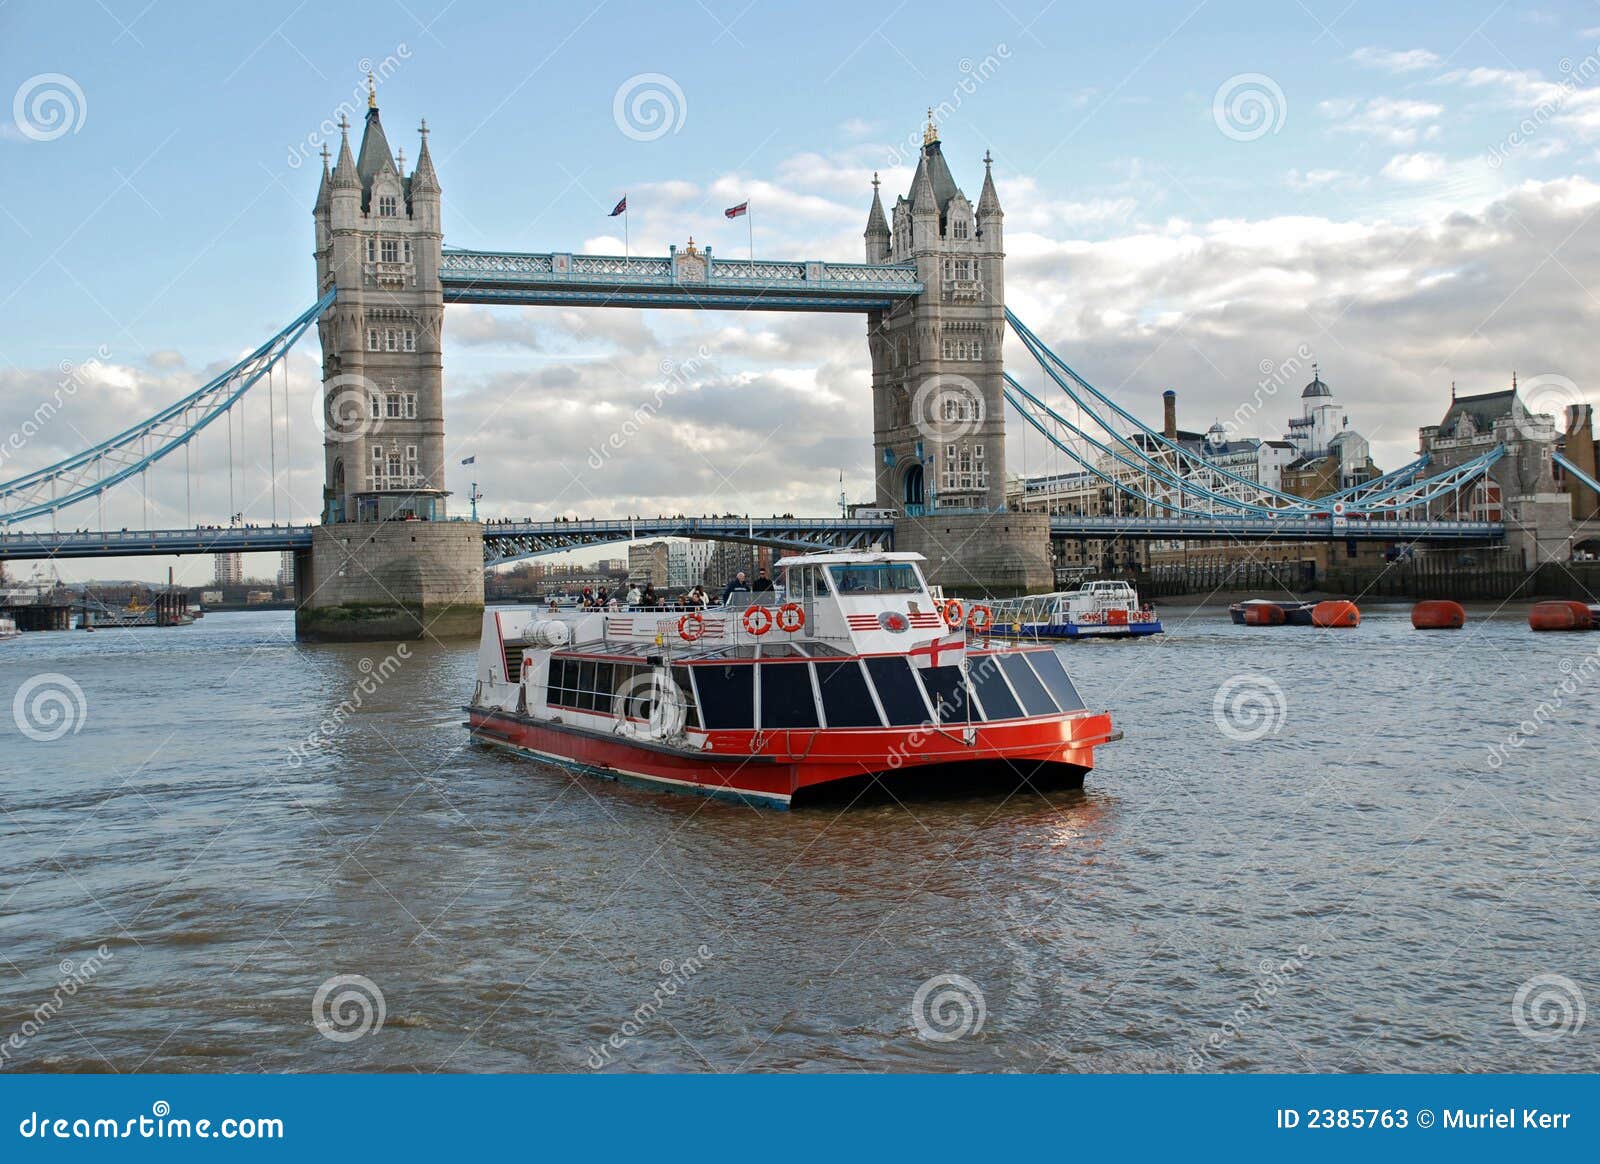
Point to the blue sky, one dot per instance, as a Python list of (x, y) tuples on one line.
[(1154, 237)]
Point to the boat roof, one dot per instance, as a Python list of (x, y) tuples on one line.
[(848, 557)]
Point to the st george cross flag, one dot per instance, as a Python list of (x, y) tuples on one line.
[(944, 651), (736, 211), (620, 208)]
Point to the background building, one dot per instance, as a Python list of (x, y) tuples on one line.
[(228, 569)]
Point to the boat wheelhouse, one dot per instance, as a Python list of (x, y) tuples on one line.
[(857, 675)]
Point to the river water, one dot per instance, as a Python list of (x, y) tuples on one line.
[(1337, 871)]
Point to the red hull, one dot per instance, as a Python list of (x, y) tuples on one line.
[(772, 767)]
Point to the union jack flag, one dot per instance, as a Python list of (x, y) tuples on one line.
[(620, 208)]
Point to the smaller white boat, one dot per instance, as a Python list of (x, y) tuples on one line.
[(1096, 610)]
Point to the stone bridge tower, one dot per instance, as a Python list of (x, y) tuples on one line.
[(384, 563), (937, 385)]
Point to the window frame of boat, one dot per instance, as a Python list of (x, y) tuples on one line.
[(866, 682), (1000, 672), (921, 588)]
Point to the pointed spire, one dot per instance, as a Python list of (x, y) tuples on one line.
[(423, 177), (931, 134), (344, 170), (325, 183), (922, 196), (877, 224), (988, 200)]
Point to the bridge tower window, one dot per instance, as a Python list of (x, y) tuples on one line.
[(372, 339), (387, 206), (390, 250), (408, 338)]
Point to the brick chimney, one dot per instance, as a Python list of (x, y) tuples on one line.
[(1169, 406)]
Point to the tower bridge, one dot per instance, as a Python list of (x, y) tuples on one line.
[(388, 557)]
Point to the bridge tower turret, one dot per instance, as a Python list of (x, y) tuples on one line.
[(938, 383), (383, 565)]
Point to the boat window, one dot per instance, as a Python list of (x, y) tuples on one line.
[(1048, 665), (581, 684), (898, 691), (846, 698), (727, 695), (680, 676), (1035, 699), (797, 583), (996, 697), (947, 693), (876, 578), (786, 697)]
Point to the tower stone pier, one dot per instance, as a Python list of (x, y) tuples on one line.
[(387, 561), (937, 386)]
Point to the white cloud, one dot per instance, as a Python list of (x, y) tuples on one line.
[(1415, 168), (1405, 61), (1394, 120)]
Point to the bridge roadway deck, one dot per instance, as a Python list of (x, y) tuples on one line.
[(508, 541)]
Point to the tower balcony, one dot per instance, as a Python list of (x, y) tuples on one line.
[(397, 274)]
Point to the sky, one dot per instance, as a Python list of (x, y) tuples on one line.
[(1207, 197)]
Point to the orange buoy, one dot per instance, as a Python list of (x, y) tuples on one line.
[(1560, 616), (1262, 614), (1438, 614), (1335, 612)]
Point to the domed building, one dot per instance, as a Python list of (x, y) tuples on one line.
[(1329, 454)]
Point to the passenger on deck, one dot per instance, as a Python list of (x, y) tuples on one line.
[(763, 583), (735, 585), (649, 598)]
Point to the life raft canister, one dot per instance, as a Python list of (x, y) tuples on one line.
[(1335, 612), (1438, 614), (1560, 616)]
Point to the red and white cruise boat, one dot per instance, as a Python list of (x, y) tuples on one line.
[(859, 675)]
